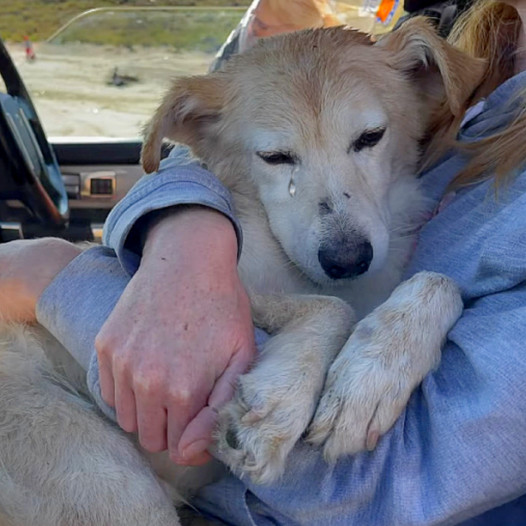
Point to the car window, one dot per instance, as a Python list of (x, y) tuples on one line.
[(103, 72)]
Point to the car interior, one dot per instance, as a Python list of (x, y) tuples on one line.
[(66, 185), (63, 189)]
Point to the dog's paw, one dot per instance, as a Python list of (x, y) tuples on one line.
[(260, 426), (386, 357), (362, 399)]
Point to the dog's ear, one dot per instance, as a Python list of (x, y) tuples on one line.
[(437, 66), (190, 105)]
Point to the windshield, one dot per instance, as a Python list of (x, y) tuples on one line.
[(103, 72)]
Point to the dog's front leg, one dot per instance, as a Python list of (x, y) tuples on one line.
[(275, 401), (386, 357)]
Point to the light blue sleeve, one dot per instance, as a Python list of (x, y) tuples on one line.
[(457, 451), (458, 448), (181, 179), (77, 303)]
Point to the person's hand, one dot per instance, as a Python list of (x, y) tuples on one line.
[(27, 267), (170, 352)]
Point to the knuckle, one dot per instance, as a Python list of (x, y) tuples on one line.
[(149, 384), (180, 396), (104, 345), (120, 364), (101, 344)]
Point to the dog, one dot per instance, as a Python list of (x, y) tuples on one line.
[(318, 135)]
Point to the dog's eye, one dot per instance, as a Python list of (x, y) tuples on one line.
[(368, 139), (277, 157)]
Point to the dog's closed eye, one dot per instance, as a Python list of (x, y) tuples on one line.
[(275, 158), (368, 139)]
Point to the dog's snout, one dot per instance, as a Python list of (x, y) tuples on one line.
[(346, 261)]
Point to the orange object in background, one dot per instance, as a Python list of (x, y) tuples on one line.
[(272, 17), (371, 16), (386, 11)]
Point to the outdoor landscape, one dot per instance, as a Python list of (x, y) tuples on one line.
[(104, 73), (97, 68), (39, 19)]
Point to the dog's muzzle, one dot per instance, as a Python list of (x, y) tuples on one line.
[(346, 259)]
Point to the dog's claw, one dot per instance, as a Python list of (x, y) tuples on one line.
[(372, 440), (253, 416)]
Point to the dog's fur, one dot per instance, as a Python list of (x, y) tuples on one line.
[(302, 102)]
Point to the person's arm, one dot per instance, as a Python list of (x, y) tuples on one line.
[(163, 363), (181, 360), (26, 269), (454, 453), (179, 335)]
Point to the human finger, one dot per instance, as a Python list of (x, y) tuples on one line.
[(224, 388), (152, 424), (183, 407), (197, 436), (125, 406), (107, 385)]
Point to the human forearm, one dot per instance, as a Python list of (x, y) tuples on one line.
[(192, 234)]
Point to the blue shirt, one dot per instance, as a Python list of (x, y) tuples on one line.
[(457, 454)]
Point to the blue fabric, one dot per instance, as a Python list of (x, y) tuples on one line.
[(457, 455)]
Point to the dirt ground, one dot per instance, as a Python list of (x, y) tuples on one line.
[(71, 89)]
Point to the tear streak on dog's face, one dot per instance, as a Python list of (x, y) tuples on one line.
[(339, 116)]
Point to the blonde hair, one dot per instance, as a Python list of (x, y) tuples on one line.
[(490, 30)]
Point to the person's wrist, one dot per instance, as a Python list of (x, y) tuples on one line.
[(189, 231)]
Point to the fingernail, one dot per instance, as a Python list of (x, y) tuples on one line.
[(195, 448)]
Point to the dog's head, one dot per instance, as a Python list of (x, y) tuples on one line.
[(340, 116)]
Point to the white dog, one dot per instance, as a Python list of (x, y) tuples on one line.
[(318, 137)]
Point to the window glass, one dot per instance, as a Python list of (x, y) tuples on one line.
[(103, 72)]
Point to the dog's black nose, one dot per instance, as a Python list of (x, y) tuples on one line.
[(343, 261)]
